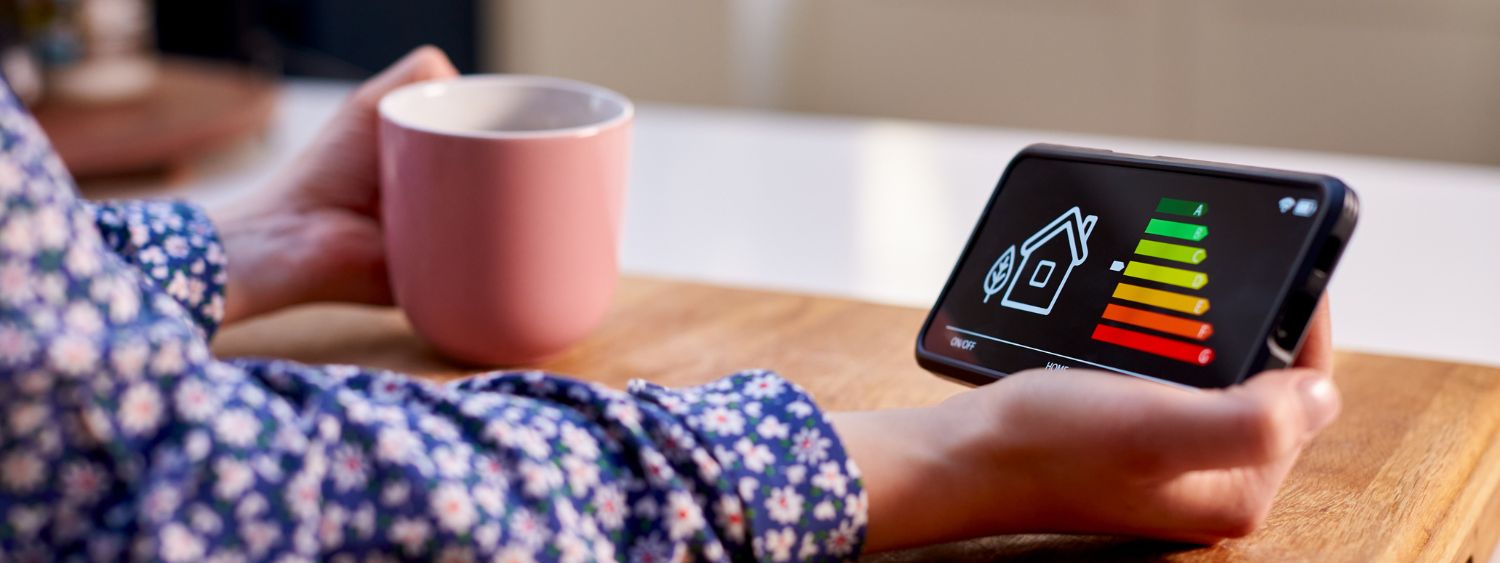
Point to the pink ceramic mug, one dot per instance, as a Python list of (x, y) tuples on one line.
[(501, 197)]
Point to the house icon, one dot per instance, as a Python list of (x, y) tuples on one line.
[(1047, 259)]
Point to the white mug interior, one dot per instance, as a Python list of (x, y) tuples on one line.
[(505, 106)]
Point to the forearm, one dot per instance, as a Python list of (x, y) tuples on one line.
[(927, 477)]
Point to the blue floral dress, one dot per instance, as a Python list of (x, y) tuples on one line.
[(121, 436)]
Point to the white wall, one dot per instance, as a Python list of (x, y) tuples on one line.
[(1385, 77)]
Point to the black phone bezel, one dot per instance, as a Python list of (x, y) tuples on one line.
[(1297, 298)]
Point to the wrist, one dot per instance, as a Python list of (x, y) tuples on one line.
[(260, 247), (920, 470)]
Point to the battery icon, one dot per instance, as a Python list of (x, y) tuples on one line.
[(1305, 207)]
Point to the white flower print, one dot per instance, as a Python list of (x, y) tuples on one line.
[(83, 317), (180, 544), (579, 442), (571, 548), (16, 347), (17, 236), (731, 517), (411, 534), (796, 473), (514, 555), (764, 387), (810, 446), (395, 493), (452, 507), (785, 505), (800, 409), (168, 359), (526, 529), (27, 521), (748, 487), (331, 527), (304, 495), (195, 401), (857, 508), (82, 262), (140, 409), (824, 511), (439, 428), (809, 547), (396, 445), (755, 456), (771, 428), (652, 549), (233, 478), (831, 478), (708, 467), (363, 522), (129, 358), (452, 461), (23, 471), (487, 536), (724, 422), (27, 417), (73, 355), (684, 517), (348, 468), (51, 227), (237, 427), (540, 479), (82, 481), (779, 544), (160, 503), (609, 504), (841, 540), (389, 387), (15, 283), (490, 499)]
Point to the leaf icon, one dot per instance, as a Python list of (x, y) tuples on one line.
[(999, 273)]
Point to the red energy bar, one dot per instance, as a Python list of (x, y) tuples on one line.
[(1164, 347)]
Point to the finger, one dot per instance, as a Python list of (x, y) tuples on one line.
[(1317, 345), (1263, 421), (423, 63)]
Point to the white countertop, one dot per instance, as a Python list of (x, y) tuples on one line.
[(879, 209)]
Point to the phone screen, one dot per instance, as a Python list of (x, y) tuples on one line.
[(1171, 276)]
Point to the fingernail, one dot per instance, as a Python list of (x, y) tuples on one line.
[(1319, 400)]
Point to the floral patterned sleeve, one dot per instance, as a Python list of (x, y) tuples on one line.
[(121, 436)]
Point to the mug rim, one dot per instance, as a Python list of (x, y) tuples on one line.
[(627, 109)]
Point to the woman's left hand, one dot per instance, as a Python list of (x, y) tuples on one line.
[(315, 234)]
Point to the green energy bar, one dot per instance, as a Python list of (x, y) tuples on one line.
[(1182, 207), (1173, 229)]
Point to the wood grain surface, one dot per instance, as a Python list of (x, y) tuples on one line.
[(1409, 472)]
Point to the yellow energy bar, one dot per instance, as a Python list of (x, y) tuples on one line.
[(1164, 299)]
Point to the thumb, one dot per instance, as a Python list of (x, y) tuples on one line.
[(423, 63), (1268, 418)]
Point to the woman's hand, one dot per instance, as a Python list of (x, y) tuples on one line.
[(1091, 452), (315, 234)]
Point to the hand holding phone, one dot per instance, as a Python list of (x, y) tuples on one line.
[(1091, 453)]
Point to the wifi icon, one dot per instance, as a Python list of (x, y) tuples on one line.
[(1286, 204)]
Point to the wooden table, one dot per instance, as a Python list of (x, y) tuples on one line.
[(1410, 471)]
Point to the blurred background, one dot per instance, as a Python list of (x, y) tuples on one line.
[(848, 144), (1379, 77)]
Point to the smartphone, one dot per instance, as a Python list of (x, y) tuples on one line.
[(1184, 272)]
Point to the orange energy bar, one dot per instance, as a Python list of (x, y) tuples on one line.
[(1156, 321)]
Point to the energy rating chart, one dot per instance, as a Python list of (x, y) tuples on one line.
[(1161, 307)]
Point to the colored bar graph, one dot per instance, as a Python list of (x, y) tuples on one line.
[(1164, 347), (1164, 299), (1169, 251), (1169, 324), (1181, 207), (1170, 276), (1174, 229)]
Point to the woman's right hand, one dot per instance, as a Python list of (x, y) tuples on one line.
[(1091, 452)]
